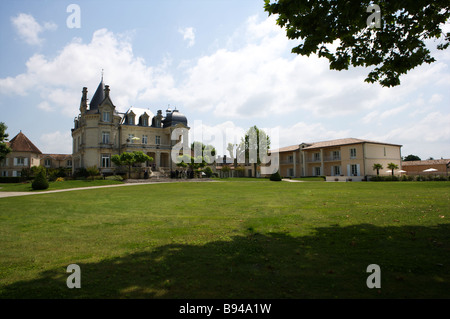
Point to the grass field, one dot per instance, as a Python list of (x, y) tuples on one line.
[(230, 239), (26, 187)]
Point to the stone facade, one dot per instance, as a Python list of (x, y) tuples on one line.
[(342, 157), (101, 131)]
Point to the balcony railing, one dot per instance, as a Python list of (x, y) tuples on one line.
[(325, 159)]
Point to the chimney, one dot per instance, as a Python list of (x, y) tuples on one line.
[(83, 104), (106, 91)]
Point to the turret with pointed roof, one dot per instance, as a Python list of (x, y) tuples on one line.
[(98, 97)]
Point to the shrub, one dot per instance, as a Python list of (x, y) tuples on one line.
[(40, 182), (114, 178), (275, 177), (93, 171), (80, 172), (208, 171), (11, 179)]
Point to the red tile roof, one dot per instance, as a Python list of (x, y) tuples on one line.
[(426, 162), (21, 143), (343, 141)]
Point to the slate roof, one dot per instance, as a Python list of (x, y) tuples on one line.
[(98, 97), (21, 143)]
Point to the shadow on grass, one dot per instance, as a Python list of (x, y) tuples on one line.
[(331, 263)]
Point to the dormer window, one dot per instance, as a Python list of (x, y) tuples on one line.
[(143, 120), (106, 116)]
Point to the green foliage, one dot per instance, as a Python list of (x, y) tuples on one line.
[(93, 171), (411, 157), (377, 167), (276, 177), (208, 171), (252, 144), (392, 167), (393, 49), (208, 152), (4, 148), (130, 158), (11, 179), (114, 178), (40, 181), (81, 173)]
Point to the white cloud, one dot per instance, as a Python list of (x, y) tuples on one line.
[(59, 80), (188, 34), (29, 29), (56, 142)]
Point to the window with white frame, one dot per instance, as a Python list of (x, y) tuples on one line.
[(144, 139), (69, 163), (20, 161), (336, 155), (105, 137), (131, 138), (106, 160), (157, 140), (353, 153), (106, 116), (317, 171), (354, 169), (47, 162), (336, 170), (316, 157)]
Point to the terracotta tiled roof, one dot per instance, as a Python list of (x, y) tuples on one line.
[(57, 157), (21, 143), (343, 141), (287, 149), (426, 162)]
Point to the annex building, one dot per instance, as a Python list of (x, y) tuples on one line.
[(348, 157), (24, 154)]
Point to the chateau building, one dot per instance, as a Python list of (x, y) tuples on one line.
[(101, 131)]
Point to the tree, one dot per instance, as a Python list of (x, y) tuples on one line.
[(411, 158), (225, 170), (377, 167), (40, 182), (392, 166), (252, 145), (4, 148), (92, 171), (276, 177), (393, 48), (129, 159), (206, 152)]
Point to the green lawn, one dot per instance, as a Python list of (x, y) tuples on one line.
[(229, 240), (26, 187)]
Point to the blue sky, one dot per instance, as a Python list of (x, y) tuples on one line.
[(223, 63)]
